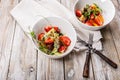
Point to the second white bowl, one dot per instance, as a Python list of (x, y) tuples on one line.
[(106, 6)]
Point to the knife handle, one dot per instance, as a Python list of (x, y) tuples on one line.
[(110, 62), (86, 66)]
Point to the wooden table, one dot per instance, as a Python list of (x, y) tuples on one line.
[(20, 61)]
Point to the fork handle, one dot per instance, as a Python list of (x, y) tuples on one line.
[(86, 66), (110, 62)]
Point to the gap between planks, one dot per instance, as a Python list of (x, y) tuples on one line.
[(11, 51)]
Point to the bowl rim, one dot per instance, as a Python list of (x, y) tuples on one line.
[(63, 54), (93, 28)]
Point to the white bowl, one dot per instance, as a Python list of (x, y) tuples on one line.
[(107, 7), (65, 27)]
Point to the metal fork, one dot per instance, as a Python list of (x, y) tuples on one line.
[(88, 57)]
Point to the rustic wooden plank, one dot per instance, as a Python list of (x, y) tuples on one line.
[(7, 27), (49, 69), (115, 26), (23, 58), (74, 63), (101, 69), (111, 39)]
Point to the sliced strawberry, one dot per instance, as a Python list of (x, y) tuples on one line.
[(65, 40), (88, 23), (78, 13), (40, 36), (48, 28), (99, 20), (49, 41), (93, 23), (56, 29), (62, 49)]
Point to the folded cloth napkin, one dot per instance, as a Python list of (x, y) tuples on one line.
[(27, 12)]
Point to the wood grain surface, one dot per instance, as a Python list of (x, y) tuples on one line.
[(19, 60)]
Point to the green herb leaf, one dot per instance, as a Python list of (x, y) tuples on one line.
[(33, 34), (52, 53), (43, 49), (98, 7), (87, 6)]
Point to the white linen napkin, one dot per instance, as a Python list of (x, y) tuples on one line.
[(27, 12)]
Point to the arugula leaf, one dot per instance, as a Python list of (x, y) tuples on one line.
[(33, 34), (52, 53), (98, 7), (43, 49), (87, 6)]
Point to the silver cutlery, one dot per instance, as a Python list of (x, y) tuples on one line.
[(88, 55)]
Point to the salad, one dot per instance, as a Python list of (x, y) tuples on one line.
[(91, 15), (52, 41)]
